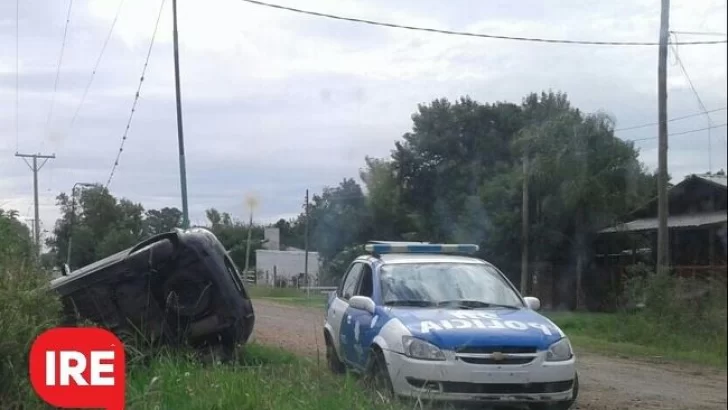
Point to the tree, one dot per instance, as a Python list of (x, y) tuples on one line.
[(16, 245), (441, 164), (338, 218), (162, 220), (457, 176), (233, 235), (98, 224)]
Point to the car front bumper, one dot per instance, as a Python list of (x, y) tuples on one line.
[(456, 380)]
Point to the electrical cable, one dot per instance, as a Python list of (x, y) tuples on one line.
[(681, 133), (468, 34), (634, 127), (96, 66), (136, 97), (17, 75), (60, 61), (700, 103)]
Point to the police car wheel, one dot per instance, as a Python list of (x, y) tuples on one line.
[(332, 358), (378, 375)]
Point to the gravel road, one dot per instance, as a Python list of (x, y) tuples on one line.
[(607, 383)]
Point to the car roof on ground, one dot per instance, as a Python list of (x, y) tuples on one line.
[(388, 258)]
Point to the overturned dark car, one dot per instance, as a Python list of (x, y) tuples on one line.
[(177, 288)]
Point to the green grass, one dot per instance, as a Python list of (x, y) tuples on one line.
[(264, 378), (288, 296), (637, 335)]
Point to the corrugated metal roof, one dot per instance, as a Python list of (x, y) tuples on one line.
[(721, 180), (674, 221)]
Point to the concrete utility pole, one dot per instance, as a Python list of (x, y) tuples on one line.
[(663, 237), (251, 202), (305, 258), (180, 133), (525, 221), (35, 168), (73, 218)]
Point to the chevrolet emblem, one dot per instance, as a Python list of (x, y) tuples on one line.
[(498, 356)]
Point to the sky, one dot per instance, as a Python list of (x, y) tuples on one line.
[(275, 102)]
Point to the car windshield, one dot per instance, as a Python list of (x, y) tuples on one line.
[(446, 284)]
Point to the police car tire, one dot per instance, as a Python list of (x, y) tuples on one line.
[(378, 374), (332, 358)]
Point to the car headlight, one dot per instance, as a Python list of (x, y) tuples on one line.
[(560, 351), (420, 349)]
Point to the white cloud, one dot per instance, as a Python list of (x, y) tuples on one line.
[(278, 102)]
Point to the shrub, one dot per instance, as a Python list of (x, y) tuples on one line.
[(26, 309)]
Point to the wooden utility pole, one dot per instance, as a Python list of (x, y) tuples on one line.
[(180, 133), (525, 221), (663, 237), (35, 168), (305, 245)]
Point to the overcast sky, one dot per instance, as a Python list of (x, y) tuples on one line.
[(276, 102)]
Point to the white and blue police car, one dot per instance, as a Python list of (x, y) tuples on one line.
[(427, 320)]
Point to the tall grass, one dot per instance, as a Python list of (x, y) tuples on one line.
[(260, 377), (264, 378), (682, 319), (26, 309)]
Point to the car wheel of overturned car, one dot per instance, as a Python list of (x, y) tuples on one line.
[(564, 405), (332, 359), (377, 375)]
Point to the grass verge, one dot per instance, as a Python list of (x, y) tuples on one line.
[(288, 296), (638, 335), (264, 378)]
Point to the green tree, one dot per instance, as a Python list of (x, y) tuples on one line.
[(339, 218), (233, 235), (163, 220), (16, 245), (98, 225)]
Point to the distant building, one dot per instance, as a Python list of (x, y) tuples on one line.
[(276, 267), (696, 225)]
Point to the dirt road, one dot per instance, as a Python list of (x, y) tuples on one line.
[(607, 383)]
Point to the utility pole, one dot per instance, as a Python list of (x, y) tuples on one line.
[(663, 237), (305, 246), (525, 221), (180, 133), (73, 218), (251, 201), (35, 168), (247, 245)]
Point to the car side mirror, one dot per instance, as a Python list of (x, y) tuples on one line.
[(532, 303), (363, 303)]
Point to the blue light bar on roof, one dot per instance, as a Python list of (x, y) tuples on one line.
[(382, 248)]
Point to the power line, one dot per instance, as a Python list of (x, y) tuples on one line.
[(17, 75), (681, 133), (700, 103), (651, 124), (136, 96), (96, 66), (468, 34), (60, 60), (700, 33)]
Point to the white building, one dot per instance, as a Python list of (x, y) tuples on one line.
[(273, 265), (289, 265)]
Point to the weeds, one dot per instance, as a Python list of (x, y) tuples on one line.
[(677, 318), (27, 308), (263, 378)]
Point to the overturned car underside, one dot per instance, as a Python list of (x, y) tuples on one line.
[(179, 288)]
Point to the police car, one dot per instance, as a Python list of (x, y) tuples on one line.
[(427, 320)]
